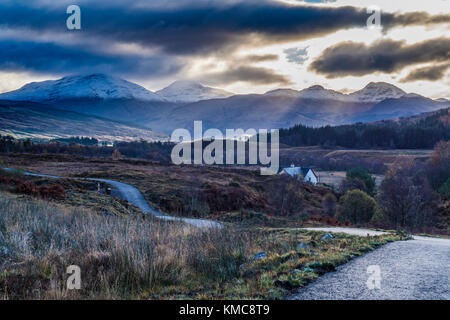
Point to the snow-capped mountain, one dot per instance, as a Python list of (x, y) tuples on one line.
[(97, 86), (373, 92), (313, 93), (190, 91), (290, 93), (377, 92), (320, 93), (183, 102)]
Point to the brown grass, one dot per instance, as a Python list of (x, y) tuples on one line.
[(132, 258)]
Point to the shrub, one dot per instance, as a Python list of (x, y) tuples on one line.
[(54, 191), (329, 204), (287, 195), (28, 188), (445, 188), (359, 178), (356, 207)]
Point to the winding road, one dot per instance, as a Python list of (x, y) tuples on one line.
[(417, 269), (135, 197)]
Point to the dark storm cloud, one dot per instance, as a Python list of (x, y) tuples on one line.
[(413, 18), (205, 26), (49, 58), (430, 73), (173, 29), (253, 75), (386, 56)]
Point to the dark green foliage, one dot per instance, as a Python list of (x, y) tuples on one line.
[(421, 134), (356, 207), (359, 178), (88, 147), (445, 188)]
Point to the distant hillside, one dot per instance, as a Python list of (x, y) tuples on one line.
[(41, 122), (420, 131)]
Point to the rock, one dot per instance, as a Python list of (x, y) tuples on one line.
[(327, 237), (3, 251), (303, 246), (259, 256)]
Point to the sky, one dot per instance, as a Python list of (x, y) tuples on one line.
[(243, 46)]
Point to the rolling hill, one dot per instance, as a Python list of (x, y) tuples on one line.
[(41, 122)]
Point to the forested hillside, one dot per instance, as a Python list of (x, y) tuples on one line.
[(418, 132)]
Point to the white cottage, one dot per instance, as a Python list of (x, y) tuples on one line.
[(306, 173)]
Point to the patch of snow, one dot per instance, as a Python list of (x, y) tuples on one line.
[(190, 91)]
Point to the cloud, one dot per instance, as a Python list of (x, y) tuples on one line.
[(413, 19), (430, 73), (49, 58), (297, 55), (253, 75), (194, 27), (385, 56), (254, 58), (166, 35)]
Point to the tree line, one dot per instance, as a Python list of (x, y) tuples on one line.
[(403, 134)]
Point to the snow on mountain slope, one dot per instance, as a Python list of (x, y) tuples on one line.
[(190, 91), (377, 92), (283, 93), (373, 92), (314, 93), (82, 86), (320, 93)]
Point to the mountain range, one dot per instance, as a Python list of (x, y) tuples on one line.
[(177, 106)]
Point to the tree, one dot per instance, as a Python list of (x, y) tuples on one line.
[(116, 155), (439, 165), (406, 198), (359, 178), (329, 203), (356, 207), (445, 189)]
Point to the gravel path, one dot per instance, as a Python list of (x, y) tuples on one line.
[(418, 269), (135, 197)]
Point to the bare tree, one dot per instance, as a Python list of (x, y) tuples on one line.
[(329, 204), (406, 198)]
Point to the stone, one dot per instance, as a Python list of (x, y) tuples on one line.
[(327, 237)]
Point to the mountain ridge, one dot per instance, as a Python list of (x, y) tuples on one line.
[(104, 86), (281, 108)]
